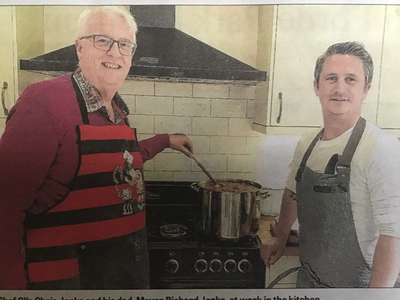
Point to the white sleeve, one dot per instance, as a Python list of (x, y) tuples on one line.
[(294, 165), (383, 179)]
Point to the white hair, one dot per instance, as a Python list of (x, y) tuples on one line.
[(111, 11)]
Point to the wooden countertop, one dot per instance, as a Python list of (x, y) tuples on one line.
[(265, 234)]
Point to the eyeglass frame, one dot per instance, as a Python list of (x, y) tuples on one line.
[(111, 45)]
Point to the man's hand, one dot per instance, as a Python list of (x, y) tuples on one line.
[(273, 250), (181, 143)]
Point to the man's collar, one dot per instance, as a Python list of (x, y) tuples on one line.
[(92, 97)]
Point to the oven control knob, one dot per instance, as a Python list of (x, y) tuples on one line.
[(244, 266), (215, 266), (201, 265), (172, 266), (230, 266)]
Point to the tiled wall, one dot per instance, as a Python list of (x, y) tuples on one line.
[(217, 118)]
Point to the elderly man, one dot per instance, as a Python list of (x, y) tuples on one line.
[(72, 215), (343, 185)]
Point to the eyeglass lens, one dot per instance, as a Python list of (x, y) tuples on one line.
[(105, 44)]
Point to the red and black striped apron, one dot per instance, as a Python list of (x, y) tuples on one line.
[(96, 237)]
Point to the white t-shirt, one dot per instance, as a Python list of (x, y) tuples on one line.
[(374, 181)]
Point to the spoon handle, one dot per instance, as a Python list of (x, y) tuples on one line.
[(204, 169)]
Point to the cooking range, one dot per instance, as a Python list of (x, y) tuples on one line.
[(181, 256)]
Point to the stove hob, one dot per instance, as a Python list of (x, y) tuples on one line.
[(171, 227), (159, 238), (156, 240), (162, 235), (190, 259), (246, 242), (196, 240), (173, 230)]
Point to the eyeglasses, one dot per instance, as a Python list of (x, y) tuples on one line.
[(105, 44)]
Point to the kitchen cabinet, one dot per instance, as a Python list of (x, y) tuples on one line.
[(302, 34), (8, 60), (389, 100)]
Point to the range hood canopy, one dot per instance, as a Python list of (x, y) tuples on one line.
[(163, 52)]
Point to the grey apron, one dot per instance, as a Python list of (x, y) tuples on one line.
[(330, 254)]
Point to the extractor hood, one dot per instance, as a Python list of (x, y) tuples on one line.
[(163, 52)]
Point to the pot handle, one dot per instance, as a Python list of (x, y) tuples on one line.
[(195, 186), (264, 193)]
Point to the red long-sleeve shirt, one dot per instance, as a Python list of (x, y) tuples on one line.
[(38, 160)]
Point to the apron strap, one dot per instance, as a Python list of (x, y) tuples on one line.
[(81, 102), (343, 166), (352, 144), (307, 155)]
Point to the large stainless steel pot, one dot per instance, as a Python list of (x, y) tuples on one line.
[(230, 215)]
